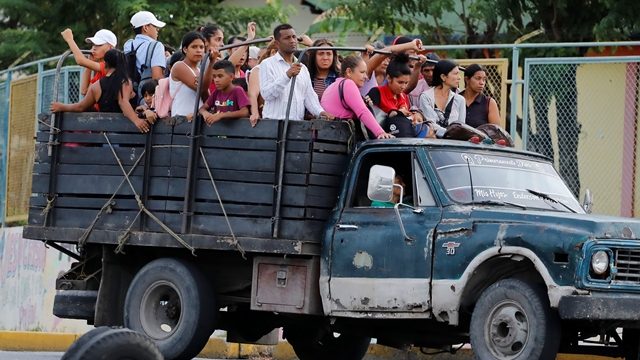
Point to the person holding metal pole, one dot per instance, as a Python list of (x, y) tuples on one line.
[(276, 74)]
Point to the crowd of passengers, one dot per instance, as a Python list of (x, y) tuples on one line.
[(408, 92)]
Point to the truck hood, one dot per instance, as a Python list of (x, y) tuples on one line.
[(593, 226)]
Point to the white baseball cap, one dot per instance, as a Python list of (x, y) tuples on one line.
[(142, 18), (254, 51), (102, 37)]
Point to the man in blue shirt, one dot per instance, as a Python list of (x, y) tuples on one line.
[(150, 58)]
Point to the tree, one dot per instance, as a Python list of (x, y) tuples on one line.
[(486, 21), (30, 30)]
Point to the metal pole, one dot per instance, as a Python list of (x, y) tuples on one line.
[(4, 159), (285, 128), (515, 57)]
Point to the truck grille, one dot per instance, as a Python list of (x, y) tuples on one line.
[(627, 263)]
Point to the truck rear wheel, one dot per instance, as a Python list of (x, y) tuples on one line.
[(170, 301), (512, 320), (310, 345)]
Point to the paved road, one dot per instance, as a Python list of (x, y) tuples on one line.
[(14, 355)]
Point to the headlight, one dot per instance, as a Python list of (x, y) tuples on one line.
[(600, 262)]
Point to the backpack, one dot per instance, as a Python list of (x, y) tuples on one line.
[(162, 98), (138, 76)]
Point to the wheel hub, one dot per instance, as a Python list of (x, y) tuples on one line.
[(507, 330), (160, 310)]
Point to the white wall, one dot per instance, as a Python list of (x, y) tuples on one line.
[(28, 271)]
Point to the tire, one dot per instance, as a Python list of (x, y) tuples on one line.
[(310, 345), (119, 344), (631, 344), (73, 350), (170, 301), (512, 320)]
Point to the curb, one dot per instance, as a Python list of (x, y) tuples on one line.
[(218, 348)]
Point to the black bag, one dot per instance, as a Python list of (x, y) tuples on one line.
[(399, 126), (364, 133), (443, 118), (497, 134), (139, 76), (459, 131)]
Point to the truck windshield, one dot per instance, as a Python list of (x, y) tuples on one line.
[(502, 178)]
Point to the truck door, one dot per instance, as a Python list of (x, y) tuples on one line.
[(374, 269)]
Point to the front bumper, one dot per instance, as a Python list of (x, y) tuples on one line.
[(600, 306)]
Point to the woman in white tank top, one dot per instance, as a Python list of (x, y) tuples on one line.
[(183, 81)]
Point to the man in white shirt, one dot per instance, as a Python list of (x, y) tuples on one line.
[(276, 74)]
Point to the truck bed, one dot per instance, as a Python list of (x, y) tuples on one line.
[(82, 175)]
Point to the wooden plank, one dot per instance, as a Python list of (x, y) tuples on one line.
[(329, 158), (98, 185), (320, 146), (253, 160), (308, 230), (96, 121), (328, 169), (79, 202), (265, 129), (217, 225), (82, 218), (333, 131), (98, 138), (100, 155), (325, 180), (205, 242)]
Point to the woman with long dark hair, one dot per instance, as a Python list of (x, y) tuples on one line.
[(481, 109), (111, 93), (440, 104), (322, 65), (183, 81)]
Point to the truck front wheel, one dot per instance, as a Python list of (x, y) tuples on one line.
[(324, 344), (170, 301), (512, 320)]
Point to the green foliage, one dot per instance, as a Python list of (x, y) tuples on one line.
[(30, 30), (486, 21)]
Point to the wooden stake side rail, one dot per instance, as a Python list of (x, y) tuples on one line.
[(243, 164)]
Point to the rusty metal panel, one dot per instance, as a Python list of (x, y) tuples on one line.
[(286, 285)]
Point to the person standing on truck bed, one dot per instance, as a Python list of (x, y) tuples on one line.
[(276, 75), (103, 41), (111, 93), (183, 81), (150, 59), (343, 99)]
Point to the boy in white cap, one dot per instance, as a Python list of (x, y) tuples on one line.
[(150, 60), (103, 41)]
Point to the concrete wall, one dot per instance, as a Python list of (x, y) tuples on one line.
[(28, 271)]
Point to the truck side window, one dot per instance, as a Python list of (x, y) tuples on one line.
[(425, 197), (400, 161)]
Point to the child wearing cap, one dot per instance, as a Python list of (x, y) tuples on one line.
[(103, 41)]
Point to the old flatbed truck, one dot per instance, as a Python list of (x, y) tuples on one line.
[(178, 233)]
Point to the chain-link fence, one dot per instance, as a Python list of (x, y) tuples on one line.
[(583, 114), (68, 88)]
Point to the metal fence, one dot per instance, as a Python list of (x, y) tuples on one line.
[(583, 113), (22, 97)]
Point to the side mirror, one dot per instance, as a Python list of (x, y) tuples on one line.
[(587, 203), (380, 187)]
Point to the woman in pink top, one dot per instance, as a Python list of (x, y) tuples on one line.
[(343, 99)]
